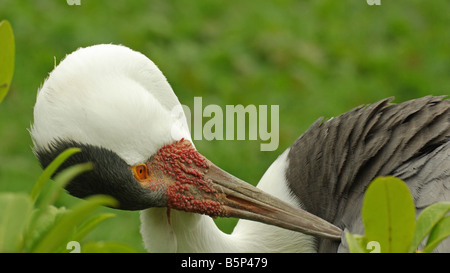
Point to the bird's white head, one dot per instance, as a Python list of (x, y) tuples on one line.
[(117, 106), (108, 96)]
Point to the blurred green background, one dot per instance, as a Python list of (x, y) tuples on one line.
[(312, 58)]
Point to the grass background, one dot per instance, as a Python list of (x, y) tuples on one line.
[(312, 58)]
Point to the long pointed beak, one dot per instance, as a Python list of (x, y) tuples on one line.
[(242, 200), (192, 183)]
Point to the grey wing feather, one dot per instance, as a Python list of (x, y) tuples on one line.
[(333, 162)]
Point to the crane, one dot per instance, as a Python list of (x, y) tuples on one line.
[(115, 104)]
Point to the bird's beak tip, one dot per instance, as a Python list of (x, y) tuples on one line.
[(242, 200)]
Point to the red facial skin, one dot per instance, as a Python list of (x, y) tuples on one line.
[(182, 169), (192, 183)]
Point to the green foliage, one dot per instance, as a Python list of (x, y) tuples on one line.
[(388, 214), (356, 243), (51, 168), (60, 233), (6, 57), (110, 247), (15, 209), (432, 221), (31, 223)]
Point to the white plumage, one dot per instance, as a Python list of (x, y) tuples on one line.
[(110, 96)]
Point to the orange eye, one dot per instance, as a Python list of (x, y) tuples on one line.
[(140, 172)]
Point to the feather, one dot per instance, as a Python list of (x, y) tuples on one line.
[(333, 162)]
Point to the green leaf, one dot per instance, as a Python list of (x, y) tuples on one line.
[(440, 231), (6, 57), (427, 219), (389, 214), (49, 196), (15, 210), (50, 170), (90, 224), (356, 243), (62, 230), (107, 247), (42, 222), (62, 179)]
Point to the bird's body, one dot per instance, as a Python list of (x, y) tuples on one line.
[(410, 140), (117, 106)]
